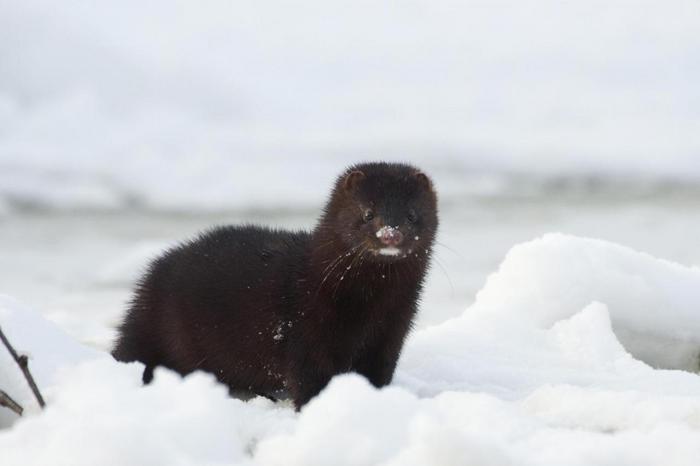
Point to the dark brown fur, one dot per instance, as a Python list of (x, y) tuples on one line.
[(269, 311)]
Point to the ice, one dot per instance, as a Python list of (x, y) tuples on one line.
[(548, 367), (127, 269)]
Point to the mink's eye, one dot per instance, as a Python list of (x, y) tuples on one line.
[(368, 215), (412, 217)]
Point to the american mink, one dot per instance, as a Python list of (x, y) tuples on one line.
[(272, 311)]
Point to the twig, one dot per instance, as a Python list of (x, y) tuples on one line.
[(23, 363), (8, 402)]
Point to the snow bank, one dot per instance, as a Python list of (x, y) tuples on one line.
[(100, 414), (654, 304), (48, 348), (534, 373), (351, 423)]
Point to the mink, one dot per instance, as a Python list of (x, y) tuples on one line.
[(271, 311)]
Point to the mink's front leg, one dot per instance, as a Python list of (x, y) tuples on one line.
[(378, 362), (308, 373)]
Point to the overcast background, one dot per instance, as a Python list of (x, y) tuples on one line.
[(125, 126)]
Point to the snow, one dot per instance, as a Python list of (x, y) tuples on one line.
[(48, 348), (111, 105), (576, 351), (101, 415), (647, 297), (127, 126)]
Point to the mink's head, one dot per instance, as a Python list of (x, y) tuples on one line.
[(387, 211)]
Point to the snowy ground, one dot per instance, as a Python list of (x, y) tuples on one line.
[(126, 126), (77, 268), (575, 352)]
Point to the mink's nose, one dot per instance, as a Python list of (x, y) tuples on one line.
[(390, 236)]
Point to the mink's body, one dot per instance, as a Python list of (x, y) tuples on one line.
[(269, 311)]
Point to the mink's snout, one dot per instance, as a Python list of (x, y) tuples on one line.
[(390, 236)]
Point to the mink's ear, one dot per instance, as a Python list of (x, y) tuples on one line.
[(353, 180), (423, 180)]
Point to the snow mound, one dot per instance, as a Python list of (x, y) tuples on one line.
[(102, 415), (48, 348), (352, 423), (653, 303)]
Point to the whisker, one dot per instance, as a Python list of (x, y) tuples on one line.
[(327, 274), (449, 280), (334, 265), (452, 250), (345, 253), (352, 264)]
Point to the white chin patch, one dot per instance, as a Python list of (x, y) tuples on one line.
[(390, 251)]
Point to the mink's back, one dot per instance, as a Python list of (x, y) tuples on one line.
[(228, 292)]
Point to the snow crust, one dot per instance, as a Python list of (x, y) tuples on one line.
[(570, 355)]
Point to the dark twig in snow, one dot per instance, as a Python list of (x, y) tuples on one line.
[(23, 363), (8, 402)]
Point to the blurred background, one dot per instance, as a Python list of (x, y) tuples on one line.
[(126, 126)]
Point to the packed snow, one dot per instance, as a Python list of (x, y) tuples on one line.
[(576, 351)]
